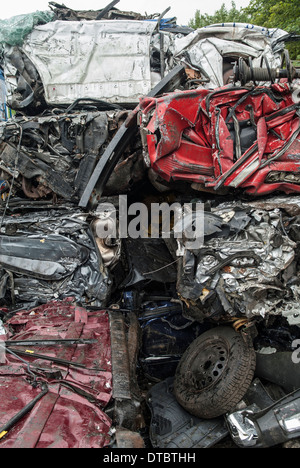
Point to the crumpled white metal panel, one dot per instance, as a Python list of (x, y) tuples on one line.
[(209, 45), (107, 60)]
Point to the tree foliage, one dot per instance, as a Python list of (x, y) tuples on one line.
[(223, 15), (284, 14)]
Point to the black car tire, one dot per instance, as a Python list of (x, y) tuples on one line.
[(214, 373)]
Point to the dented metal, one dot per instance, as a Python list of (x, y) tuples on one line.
[(106, 103), (52, 255), (251, 144), (246, 267)]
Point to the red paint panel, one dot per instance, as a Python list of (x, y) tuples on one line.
[(210, 120), (72, 413)]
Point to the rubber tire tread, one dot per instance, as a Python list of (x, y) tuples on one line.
[(228, 391)]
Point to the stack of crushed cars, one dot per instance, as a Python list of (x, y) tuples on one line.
[(155, 341)]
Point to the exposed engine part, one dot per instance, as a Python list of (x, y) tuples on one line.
[(245, 73)]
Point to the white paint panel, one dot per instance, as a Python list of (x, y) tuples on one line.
[(107, 60)]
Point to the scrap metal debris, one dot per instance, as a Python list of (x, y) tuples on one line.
[(226, 138), (51, 254), (147, 341), (69, 400), (246, 268)]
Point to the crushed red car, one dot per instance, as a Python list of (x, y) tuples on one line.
[(238, 138)]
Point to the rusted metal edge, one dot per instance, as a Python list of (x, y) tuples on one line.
[(119, 357)]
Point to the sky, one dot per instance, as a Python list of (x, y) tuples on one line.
[(183, 10)]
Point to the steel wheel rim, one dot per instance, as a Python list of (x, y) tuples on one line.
[(207, 365)]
